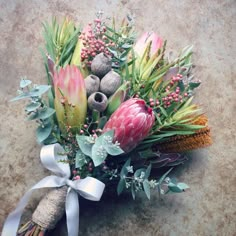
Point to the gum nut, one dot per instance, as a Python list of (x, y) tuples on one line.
[(110, 83), (101, 65), (97, 101), (92, 83)]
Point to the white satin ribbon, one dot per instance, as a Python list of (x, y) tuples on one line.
[(53, 159)]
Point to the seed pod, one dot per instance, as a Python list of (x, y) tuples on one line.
[(110, 83), (101, 65), (92, 83), (97, 101)]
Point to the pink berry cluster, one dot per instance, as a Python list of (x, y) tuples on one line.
[(86, 129), (153, 102), (94, 42), (173, 93)]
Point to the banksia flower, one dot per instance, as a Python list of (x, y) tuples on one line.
[(182, 143), (132, 122), (70, 97)]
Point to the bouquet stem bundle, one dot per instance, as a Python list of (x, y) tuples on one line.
[(48, 212)]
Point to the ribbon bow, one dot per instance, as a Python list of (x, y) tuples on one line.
[(89, 188)]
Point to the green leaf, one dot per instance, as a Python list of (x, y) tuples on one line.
[(80, 159), (102, 122), (32, 106), (45, 113), (183, 186), (133, 190), (36, 92), (24, 83), (148, 171), (161, 180), (174, 188), (120, 186), (113, 149), (106, 142), (193, 85), (39, 90), (146, 188), (138, 172), (124, 170), (164, 176), (181, 85), (43, 132), (163, 111), (99, 154), (85, 144)]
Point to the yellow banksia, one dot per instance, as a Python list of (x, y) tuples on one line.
[(180, 143)]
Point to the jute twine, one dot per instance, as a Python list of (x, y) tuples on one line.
[(51, 208)]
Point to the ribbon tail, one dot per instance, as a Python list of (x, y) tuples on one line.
[(12, 222), (72, 212)]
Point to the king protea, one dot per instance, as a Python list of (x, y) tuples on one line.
[(131, 123), (70, 97)]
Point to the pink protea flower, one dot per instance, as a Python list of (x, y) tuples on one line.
[(143, 42), (70, 97), (132, 122)]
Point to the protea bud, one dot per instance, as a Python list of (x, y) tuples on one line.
[(144, 41), (70, 97), (132, 122)]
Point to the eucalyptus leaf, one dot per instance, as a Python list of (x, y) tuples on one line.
[(138, 172), (32, 106), (85, 144), (43, 131), (146, 188), (80, 159), (120, 186), (174, 188), (113, 149), (164, 176), (148, 171), (133, 190), (45, 113), (124, 170), (38, 91), (183, 186), (106, 141), (99, 154), (25, 82)]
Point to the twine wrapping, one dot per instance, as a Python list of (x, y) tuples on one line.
[(51, 208)]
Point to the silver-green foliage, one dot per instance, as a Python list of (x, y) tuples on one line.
[(37, 109), (138, 181), (97, 148)]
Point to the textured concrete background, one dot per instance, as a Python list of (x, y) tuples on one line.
[(209, 207)]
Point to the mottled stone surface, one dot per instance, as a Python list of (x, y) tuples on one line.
[(209, 207)]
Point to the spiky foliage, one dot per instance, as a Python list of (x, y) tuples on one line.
[(60, 41)]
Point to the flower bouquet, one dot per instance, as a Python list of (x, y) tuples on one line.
[(114, 112)]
